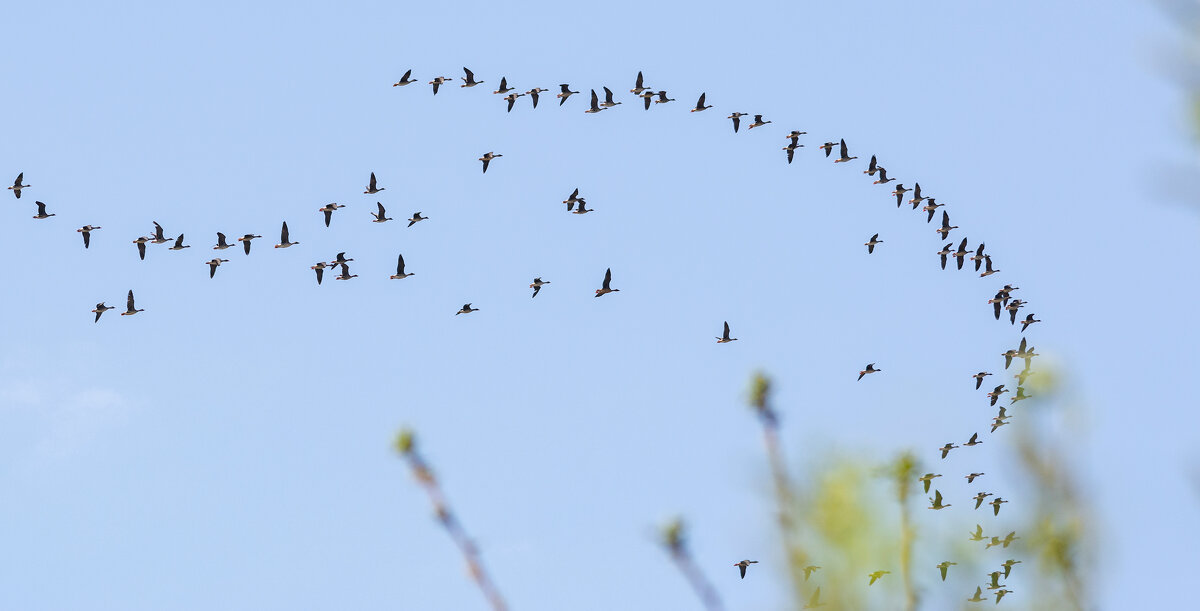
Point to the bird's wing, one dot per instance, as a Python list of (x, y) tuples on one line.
[(607, 277), (400, 265), (129, 300), (844, 151)]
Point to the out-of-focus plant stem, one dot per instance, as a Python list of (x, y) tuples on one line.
[(674, 539), (904, 472), (406, 446)]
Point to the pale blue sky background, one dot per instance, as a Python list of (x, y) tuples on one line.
[(229, 447)]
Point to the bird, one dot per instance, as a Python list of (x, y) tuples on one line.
[(582, 208), (737, 120), (795, 134), (979, 378), (400, 275), (828, 147), (944, 230), (466, 309), (87, 230), (978, 256), (340, 259), (1009, 538), (944, 252), (572, 199), (345, 275), (381, 216), (537, 285), (931, 208), (1010, 353), (221, 243), (320, 268), (700, 107), (604, 289), (946, 449), (871, 244), (533, 94), (214, 264), (129, 309), (41, 213), (1012, 308), (876, 575), (438, 81), (987, 261), (159, 237), (990, 544), (284, 241), (179, 245), (595, 106), (371, 190), (815, 600), (743, 564), (512, 100), (1029, 320), (872, 167), (100, 309), (758, 122), (245, 240), (608, 98), (1000, 594), (662, 98), (927, 479), (977, 598), (998, 303), (487, 158), (997, 423), (869, 369), (566, 93), (141, 243), (996, 392), (1020, 396), (978, 534), (970, 477), (917, 199), (936, 501), (791, 149), (942, 566), (808, 571), (979, 498), (416, 218), (962, 247), (647, 97), (404, 80), (1008, 565), (899, 193), (974, 441), (996, 502), (883, 177), (845, 154), (469, 80), (995, 575), (725, 339), (504, 88), (1021, 376), (638, 87), (17, 186), (329, 209)]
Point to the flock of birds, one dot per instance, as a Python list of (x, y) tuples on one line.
[(1002, 301)]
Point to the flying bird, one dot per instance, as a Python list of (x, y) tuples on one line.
[(438, 81), (942, 566), (899, 193), (284, 241), (179, 245), (743, 564), (469, 80), (870, 369), (883, 177), (416, 218), (129, 309), (159, 236), (400, 275), (17, 186), (404, 80), (371, 189), (608, 98), (329, 209), (141, 245), (1029, 320), (974, 441), (872, 167), (737, 120), (320, 268), (381, 216), (487, 158), (996, 502), (213, 265), (595, 106), (815, 600), (221, 243), (758, 122), (977, 598), (945, 252), (871, 244), (725, 339), (987, 260), (700, 107), (638, 87), (572, 199), (946, 449), (345, 275), (979, 498), (927, 479), (466, 309), (875, 576), (828, 148), (944, 230), (979, 378), (537, 285), (936, 501), (100, 309), (504, 88), (41, 213), (971, 478), (662, 98), (845, 154), (533, 94), (245, 240), (512, 100), (604, 289), (931, 208), (917, 198), (87, 230), (566, 93)]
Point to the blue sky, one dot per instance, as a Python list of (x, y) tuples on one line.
[(229, 447)]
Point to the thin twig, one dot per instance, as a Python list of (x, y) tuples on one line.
[(406, 445), (675, 542)]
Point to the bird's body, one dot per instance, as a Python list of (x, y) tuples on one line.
[(469, 79), (758, 122), (946, 449), (245, 240), (371, 186), (41, 213), (581, 208), (872, 242), (977, 598), (284, 238), (737, 120), (221, 243), (400, 275), (320, 269), (845, 154), (345, 275), (883, 177), (662, 98), (945, 252), (875, 576), (416, 218), (381, 216), (534, 93), (942, 566), (987, 260), (329, 209), (700, 107), (179, 245), (944, 230), (936, 501), (438, 81), (504, 88), (725, 339), (608, 98), (466, 309), (973, 441), (141, 246), (17, 186), (899, 193), (101, 309), (566, 93), (129, 309), (159, 235), (742, 566), (980, 497), (512, 100), (931, 208), (638, 85), (970, 477), (917, 198), (828, 148), (979, 378), (605, 288), (87, 230), (537, 285), (1029, 320), (872, 167), (404, 80), (869, 369), (487, 158), (996, 502), (214, 264), (928, 479)]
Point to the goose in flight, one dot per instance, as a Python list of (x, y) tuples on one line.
[(608, 98), (400, 275), (758, 122), (977, 598), (917, 198), (572, 199), (944, 230), (808, 571), (871, 244), (284, 241), (647, 97), (979, 500), (883, 177), (828, 148), (978, 256), (662, 98), (129, 309), (638, 87), (346, 275), (737, 120), (245, 240), (512, 100), (605, 288), (469, 80), (942, 566), (876, 575), (504, 88), (791, 150), (928, 479), (381, 216), (595, 106), (17, 186), (872, 167), (936, 501), (340, 259), (870, 369), (1008, 565), (487, 158), (100, 309), (179, 245), (978, 534), (329, 209), (214, 264), (946, 449), (996, 392), (979, 378), (416, 218), (996, 502), (537, 285), (725, 339), (404, 80), (141, 244), (962, 246), (1000, 594), (566, 93), (932, 207), (987, 261), (159, 236), (845, 153), (700, 107), (899, 193), (1029, 320), (945, 252), (41, 213), (743, 564), (438, 81), (320, 268), (371, 189), (815, 600), (973, 441), (582, 208), (970, 477), (466, 309), (221, 243), (87, 230), (533, 94)]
